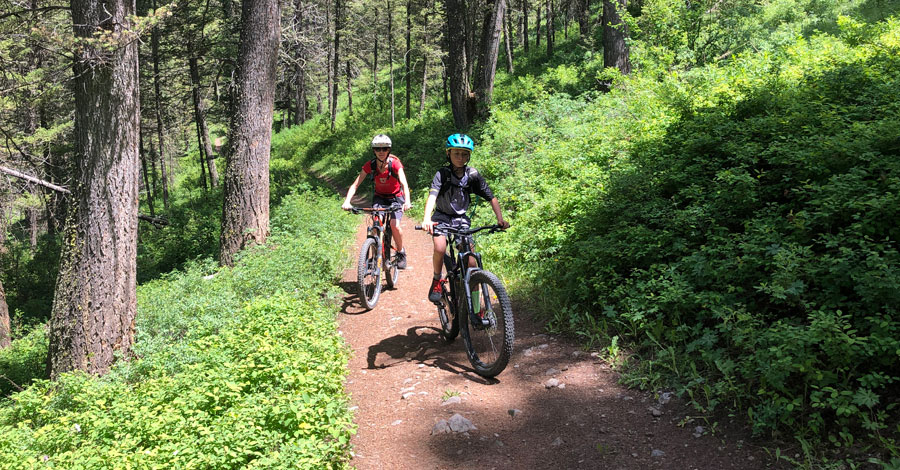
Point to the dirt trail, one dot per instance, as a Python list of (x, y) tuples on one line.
[(401, 372)]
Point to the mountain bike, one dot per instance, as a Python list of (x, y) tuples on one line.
[(478, 296), (377, 255)]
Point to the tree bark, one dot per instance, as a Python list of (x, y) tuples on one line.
[(94, 304), (5, 331), (456, 58), (537, 25), (488, 64), (200, 117), (245, 217), (615, 51)]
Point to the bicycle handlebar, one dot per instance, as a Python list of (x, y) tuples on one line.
[(466, 231), (392, 208)]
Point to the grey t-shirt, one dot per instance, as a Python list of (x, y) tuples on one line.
[(455, 200)]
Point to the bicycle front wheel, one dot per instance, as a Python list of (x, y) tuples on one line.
[(489, 347), (368, 273)]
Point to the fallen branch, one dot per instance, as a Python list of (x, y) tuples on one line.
[(156, 221)]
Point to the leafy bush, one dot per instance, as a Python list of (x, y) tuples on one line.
[(735, 222), (235, 368)]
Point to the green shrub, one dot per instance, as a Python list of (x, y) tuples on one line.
[(235, 368)]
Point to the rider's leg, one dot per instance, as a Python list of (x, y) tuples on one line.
[(437, 258), (397, 234)]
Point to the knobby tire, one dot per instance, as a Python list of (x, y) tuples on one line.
[(368, 275), (489, 349)]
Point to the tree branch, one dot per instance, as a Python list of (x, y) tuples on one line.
[(11, 172), (33, 10)]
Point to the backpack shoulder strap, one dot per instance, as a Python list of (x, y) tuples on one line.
[(390, 165)]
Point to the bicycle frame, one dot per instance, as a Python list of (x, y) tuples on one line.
[(458, 277)]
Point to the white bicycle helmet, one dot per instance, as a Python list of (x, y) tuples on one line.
[(381, 140)]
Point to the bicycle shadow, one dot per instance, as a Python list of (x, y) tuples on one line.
[(424, 347), (351, 304)]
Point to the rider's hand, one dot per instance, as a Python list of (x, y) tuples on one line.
[(503, 223), (428, 226), (407, 206), (346, 206)]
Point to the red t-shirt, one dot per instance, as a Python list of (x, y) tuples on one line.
[(386, 185)]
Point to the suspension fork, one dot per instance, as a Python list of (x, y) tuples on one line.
[(473, 316)]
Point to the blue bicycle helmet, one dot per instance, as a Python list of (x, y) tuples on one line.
[(459, 141)]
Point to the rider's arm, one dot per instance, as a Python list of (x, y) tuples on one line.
[(402, 176), (495, 205), (352, 191), (427, 224)]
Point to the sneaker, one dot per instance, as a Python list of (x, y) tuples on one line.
[(401, 259), (434, 293)]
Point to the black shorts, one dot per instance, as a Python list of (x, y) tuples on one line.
[(380, 202), (459, 221)]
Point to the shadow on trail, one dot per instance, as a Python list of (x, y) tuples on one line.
[(351, 304), (427, 348)]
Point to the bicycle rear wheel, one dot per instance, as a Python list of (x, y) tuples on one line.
[(391, 273), (489, 347), (368, 274), (449, 319)]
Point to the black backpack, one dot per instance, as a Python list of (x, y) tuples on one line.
[(444, 172)]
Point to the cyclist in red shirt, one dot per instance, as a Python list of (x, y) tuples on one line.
[(390, 187)]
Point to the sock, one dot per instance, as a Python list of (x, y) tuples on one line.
[(437, 276)]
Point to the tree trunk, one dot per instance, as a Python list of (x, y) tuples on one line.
[(349, 91), (336, 61), (551, 32), (615, 51), (94, 305), (154, 50), (537, 26), (406, 72), (391, 58), (424, 59), (146, 176), (245, 217), (525, 25), (456, 42), (302, 104), (32, 214), (5, 331), (582, 15), (509, 54), (375, 56), (200, 117), (488, 67), (200, 152)]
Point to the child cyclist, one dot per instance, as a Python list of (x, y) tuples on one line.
[(449, 199), (390, 187)]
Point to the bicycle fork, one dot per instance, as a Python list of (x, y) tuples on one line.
[(478, 322)]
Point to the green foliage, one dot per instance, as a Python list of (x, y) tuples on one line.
[(23, 361), (235, 368), (734, 223)]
